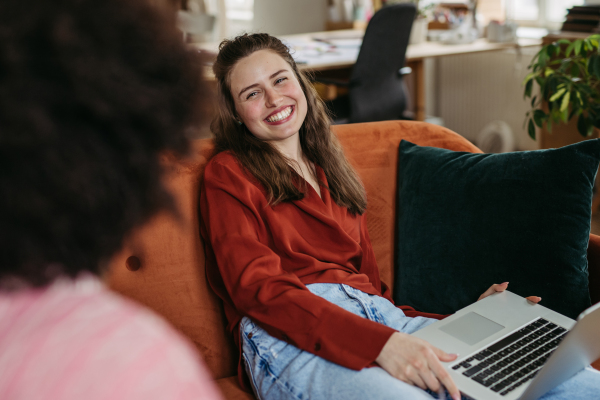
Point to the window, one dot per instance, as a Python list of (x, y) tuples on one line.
[(542, 13), (240, 9)]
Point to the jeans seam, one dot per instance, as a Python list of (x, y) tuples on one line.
[(267, 367), (249, 371)]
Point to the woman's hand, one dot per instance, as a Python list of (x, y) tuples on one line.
[(414, 361), (501, 287)]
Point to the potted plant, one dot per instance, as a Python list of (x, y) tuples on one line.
[(568, 75)]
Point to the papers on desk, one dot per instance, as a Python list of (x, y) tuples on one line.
[(346, 43), (319, 52)]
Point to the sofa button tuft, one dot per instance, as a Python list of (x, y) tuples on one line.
[(317, 346), (133, 263)]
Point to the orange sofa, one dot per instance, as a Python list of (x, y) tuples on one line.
[(162, 263)]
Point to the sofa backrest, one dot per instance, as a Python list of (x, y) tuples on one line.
[(161, 264)]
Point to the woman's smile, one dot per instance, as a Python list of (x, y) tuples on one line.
[(280, 116)]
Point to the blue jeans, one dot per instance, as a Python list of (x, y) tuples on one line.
[(279, 370)]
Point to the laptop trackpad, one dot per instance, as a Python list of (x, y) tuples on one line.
[(471, 328)]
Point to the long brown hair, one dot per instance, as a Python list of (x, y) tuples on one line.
[(262, 160)]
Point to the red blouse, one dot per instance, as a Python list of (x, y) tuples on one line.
[(259, 259)]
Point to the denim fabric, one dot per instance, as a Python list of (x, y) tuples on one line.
[(279, 370)]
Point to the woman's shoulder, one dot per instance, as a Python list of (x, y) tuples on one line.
[(223, 162), (225, 167), (223, 158)]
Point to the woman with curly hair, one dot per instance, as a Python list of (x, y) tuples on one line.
[(301, 291), (91, 92)]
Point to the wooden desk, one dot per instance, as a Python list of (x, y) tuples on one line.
[(415, 54)]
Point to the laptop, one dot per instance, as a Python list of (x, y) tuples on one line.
[(510, 348)]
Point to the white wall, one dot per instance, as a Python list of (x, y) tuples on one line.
[(285, 17)]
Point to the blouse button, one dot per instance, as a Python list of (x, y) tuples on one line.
[(133, 263), (317, 346), (250, 335)]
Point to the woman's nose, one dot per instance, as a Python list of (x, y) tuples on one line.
[(273, 98)]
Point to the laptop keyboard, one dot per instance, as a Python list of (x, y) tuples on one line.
[(514, 360)]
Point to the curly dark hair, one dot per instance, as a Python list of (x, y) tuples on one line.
[(91, 92)]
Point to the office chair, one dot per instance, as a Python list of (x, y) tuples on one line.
[(376, 89)]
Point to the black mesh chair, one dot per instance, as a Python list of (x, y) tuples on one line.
[(376, 89)]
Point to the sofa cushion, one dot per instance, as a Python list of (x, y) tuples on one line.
[(372, 149), (466, 221)]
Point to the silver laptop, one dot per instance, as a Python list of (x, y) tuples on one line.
[(510, 348)]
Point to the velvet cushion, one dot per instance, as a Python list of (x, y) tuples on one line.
[(466, 221)]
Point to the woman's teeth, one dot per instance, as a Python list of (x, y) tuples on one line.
[(283, 114)]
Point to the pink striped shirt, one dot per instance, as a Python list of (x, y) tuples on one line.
[(77, 340)]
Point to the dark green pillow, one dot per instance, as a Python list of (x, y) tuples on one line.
[(466, 221)]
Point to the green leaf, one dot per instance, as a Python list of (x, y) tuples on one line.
[(552, 85), (531, 129), (570, 48), (564, 115), (575, 70), (546, 89), (576, 102), (591, 64), (565, 102), (578, 44), (563, 66), (540, 81), (597, 67), (550, 49), (572, 113), (529, 76), (557, 95), (533, 101), (556, 115), (542, 58), (564, 41), (528, 89), (548, 72), (584, 126), (539, 117)]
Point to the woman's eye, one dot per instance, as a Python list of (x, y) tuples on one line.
[(252, 94), (279, 80)]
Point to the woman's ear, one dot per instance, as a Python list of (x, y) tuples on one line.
[(237, 119)]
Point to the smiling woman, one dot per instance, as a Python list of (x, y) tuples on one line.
[(302, 292), (270, 117), (281, 190)]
